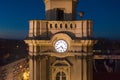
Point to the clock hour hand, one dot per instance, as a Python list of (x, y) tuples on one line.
[(61, 47)]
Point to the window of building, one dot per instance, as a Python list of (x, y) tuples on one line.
[(65, 25), (60, 76), (59, 14), (71, 26), (55, 25), (50, 25), (60, 25)]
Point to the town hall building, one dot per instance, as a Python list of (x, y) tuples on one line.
[(60, 47)]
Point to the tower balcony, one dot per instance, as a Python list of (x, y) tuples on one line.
[(44, 28)]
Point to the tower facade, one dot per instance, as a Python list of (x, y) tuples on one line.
[(60, 9), (60, 48)]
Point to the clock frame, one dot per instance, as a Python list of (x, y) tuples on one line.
[(60, 46)]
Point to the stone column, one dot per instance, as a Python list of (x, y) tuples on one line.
[(43, 68), (31, 63), (84, 68), (31, 68), (79, 72), (36, 68), (40, 68), (90, 67)]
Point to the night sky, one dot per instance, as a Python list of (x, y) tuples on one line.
[(15, 14)]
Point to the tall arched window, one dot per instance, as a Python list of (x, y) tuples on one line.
[(50, 25), (55, 25), (65, 25), (60, 76), (60, 25), (71, 26)]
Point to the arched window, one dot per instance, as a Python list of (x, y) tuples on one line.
[(55, 25), (50, 25), (71, 26), (60, 76), (65, 25), (60, 25)]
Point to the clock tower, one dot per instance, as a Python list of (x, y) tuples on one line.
[(60, 47)]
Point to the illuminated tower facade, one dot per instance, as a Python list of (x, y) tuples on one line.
[(60, 47)]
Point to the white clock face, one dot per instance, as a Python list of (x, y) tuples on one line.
[(61, 46)]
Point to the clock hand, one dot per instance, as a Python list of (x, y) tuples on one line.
[(61, 47)]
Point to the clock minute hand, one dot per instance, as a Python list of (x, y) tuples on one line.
[(61, 47)]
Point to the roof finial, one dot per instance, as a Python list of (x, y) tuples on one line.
[(81, 14)]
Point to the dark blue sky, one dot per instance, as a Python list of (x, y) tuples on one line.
[(15, 14)]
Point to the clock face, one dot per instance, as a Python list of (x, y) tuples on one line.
[(61, 46)]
